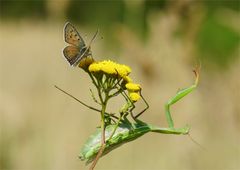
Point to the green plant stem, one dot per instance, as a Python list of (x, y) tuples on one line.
[(115, 128), (90, 75), (96, 85), (103, 141)]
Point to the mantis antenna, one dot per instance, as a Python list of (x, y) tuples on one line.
[(194, 141)]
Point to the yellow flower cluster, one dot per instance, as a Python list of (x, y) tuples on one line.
[(133, 90), (110, 67)]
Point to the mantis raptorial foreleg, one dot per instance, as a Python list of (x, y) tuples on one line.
[(147, 106), (180, 94), (130, 106), (116, 125)]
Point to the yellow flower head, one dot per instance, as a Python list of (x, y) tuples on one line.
[(123, 70), (134, 96), (133, 87), (94, 67), (127, 79), (110, 67)]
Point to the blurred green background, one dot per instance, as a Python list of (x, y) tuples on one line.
[(161, 41)]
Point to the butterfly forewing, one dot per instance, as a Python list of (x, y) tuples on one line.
[(72, 36), (77, 49), (72, 54)]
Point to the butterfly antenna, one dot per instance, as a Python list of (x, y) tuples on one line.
[(94, 37)]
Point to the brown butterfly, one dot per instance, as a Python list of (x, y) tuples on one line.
[(77, 48)]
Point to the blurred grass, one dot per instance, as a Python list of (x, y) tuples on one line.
[(222, 42), (23, 9), (42, 128)]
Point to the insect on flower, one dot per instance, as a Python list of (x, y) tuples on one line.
[(111, 80), (77, 50), (127, 131)]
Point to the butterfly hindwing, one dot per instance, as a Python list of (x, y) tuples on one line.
[(72, 54)]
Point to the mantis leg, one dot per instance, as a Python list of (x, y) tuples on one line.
[(84, 104), (130, 105), (90, 107), (147, 106), (180, 94)]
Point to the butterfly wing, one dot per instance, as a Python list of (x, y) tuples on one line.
[(72, 36), (72, 54)]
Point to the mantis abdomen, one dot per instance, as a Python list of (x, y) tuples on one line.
[(124, 133)]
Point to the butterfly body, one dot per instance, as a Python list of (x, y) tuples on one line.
[(77, 49)]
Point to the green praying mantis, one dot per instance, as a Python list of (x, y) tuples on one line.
[(111, 79), (120, 130)]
